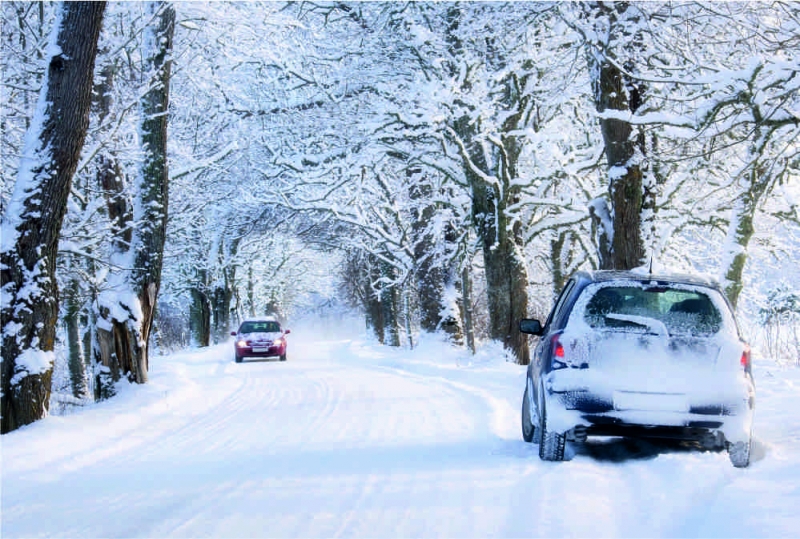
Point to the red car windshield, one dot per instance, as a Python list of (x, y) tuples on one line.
[(260, 327)]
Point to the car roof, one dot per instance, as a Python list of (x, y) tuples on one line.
[(260, 319), (638, 275)]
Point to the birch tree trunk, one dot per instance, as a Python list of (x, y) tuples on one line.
[(32, 224)]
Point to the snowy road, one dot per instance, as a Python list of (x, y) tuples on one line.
[(348, 439)]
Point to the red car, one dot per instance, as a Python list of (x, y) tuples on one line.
[(260, 337)]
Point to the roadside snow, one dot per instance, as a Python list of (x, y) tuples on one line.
[(351, 439)]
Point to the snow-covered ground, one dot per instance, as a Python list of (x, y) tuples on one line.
[(351, 439)]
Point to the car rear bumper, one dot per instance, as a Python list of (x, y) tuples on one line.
[(651, 415)]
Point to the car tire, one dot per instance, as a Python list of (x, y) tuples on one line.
[(529, 433), (551, 444), (237, 358), (283, 357), (739, 453)]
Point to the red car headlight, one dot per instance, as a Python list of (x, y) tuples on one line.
[(242, 344)]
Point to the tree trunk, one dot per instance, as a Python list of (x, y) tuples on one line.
[(110, 340), (75, 360), (32, 224), (124, 347), (200, 311), (740, 230), (223, 295), (624, 150), (428, 274), (390, 301), (556, 264), (432, 277), (251, 294), (374, 306), (506, 275), (154, 184), (466, 302)]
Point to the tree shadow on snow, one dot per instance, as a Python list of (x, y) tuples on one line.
[(626, 449)]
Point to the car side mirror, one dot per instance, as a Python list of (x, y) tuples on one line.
[(531, 327), (287, 331), (233, 333)]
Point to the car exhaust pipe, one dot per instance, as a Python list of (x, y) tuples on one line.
[(578, 434)]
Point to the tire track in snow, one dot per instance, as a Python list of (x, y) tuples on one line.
[(219, 431)]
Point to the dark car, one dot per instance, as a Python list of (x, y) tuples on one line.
[(260, 338), (639, 355)]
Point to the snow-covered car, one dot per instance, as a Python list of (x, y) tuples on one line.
[(260, 338), (639, 355)]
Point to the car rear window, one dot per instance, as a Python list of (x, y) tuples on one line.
[(681, 311), (260, 327)]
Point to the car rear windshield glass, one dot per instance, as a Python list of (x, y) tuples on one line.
[(634, 308), (260, 327)]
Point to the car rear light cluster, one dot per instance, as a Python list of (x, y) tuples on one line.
[(561, 360), (746, 359), (558, 354)]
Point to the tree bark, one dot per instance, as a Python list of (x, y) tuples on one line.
[(32, 225), (223, 295), (466, 306), (110, 340), (613, 91), (374, 306), (75, 358), (200, 311), (427, 274), (740, 231), (506, 274), (124, 344), (556, 265), (154, 186), (390, 301)]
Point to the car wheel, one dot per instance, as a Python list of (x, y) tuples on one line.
[(283, 357), (551, 444), (238, 358), (528, 427), (739, 453)]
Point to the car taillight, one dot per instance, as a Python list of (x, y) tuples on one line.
[(745, 360), (558, 353), (558, 349)]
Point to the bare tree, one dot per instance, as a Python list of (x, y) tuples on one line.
[(123, 350), (32, 224), (611, 55)]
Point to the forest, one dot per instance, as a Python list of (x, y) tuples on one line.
[(170, 169)]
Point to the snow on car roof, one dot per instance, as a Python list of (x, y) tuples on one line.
[(638, 275), (261, 319)]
